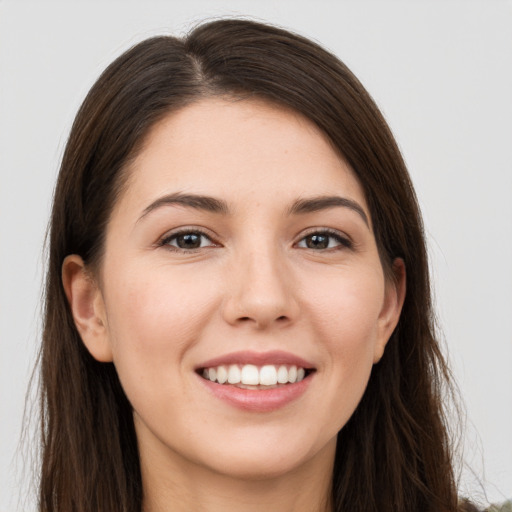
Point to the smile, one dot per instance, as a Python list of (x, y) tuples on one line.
[(250, 376), (257, 382)]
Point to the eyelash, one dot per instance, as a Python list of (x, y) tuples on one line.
[(165, 242), (343, 242)]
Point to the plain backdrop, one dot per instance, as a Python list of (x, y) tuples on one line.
[(441, 71)]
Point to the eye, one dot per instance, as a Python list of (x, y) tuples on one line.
[(325, 239), (187, 240)]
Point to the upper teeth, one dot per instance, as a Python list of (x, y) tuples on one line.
[(249, 374)]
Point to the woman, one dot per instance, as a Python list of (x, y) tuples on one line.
[(238, 311)]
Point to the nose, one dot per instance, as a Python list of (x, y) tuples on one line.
[(261, 291)]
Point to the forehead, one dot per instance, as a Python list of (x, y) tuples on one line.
[(243, 149)]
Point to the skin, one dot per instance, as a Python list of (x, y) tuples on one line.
[(254, 284)]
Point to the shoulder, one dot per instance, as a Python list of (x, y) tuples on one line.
[(504, 507), (467, 506)]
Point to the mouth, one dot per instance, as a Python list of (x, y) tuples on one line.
[(256, 377), (257, 382)]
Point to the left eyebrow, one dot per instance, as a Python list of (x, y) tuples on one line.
[(198, 202), (315, 204)]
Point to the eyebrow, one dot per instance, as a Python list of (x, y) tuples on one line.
[(315, 204), (214, 205), (199, 202)]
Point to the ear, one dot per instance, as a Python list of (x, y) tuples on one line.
[(87, 307), (394, 297)]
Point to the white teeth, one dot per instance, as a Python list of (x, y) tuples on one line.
[(292, 374), (222, 374), (252, 375), (268, 375), (234, 374), (282, 375)]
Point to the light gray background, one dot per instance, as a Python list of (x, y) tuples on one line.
[(440, 70)]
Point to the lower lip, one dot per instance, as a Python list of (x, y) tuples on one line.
[(264, 400)]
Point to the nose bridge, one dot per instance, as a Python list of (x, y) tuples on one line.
[(261, 290)]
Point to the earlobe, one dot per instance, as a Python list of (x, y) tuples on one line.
[(87, 307), (392, 307)]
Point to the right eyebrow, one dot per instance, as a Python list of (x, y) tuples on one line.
[(318, 203), (199, 202)]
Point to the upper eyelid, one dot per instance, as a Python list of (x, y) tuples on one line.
[(343, 240), (187, 229), (178, 233), (325, 230), (173, 234)]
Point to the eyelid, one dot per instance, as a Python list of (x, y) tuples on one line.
[(164, 240), (344, 240)]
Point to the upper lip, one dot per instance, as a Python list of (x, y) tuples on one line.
[(274, 357)]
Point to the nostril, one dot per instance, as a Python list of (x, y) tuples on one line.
[(263, 320)]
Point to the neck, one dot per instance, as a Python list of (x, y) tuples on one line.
[(184, 487)]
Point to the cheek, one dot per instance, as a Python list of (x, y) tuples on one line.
[(346, 306), (156, 309), (345, 313), (153, 321)]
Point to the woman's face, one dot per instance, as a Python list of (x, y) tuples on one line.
[(241, 248)]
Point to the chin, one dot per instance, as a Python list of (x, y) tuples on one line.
[(270, 460), (258, 469)]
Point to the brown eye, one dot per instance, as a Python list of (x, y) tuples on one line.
[(188, 240), (324, 240), (317, 241)]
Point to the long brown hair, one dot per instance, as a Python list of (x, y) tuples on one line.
[(394, 453)]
